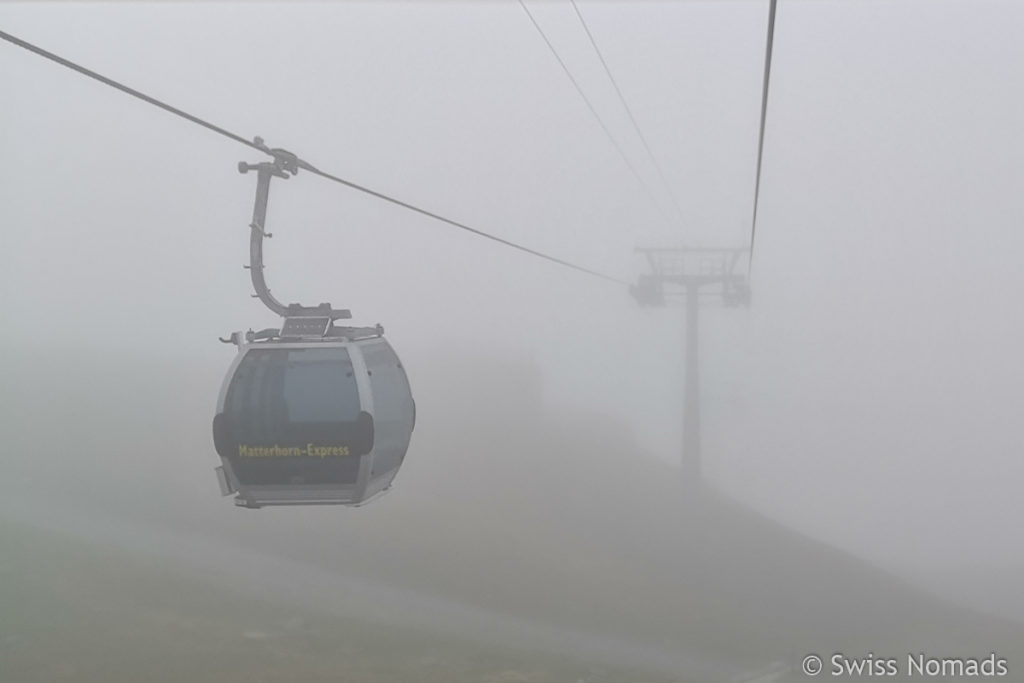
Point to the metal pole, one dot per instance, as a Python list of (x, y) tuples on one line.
[(668, 267), (691, 466)]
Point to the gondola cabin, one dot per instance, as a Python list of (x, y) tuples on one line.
[(312, 417)]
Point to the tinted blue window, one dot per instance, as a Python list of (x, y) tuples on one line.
[(287, 399), (320, 386)]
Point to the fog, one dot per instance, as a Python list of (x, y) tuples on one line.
[(860, 420)]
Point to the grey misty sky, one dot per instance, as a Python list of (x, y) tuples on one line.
[(870, 397)]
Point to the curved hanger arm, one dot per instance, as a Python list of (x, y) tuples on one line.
[(283, 166)]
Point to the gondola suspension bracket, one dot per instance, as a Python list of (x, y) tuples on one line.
[(284, 165)]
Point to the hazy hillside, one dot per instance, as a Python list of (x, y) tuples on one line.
[(555, 518), (89, 614)]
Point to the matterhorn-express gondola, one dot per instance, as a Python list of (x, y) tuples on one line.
[(314, 412)]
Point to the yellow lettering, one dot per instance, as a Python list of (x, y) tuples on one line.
[(277, 451)]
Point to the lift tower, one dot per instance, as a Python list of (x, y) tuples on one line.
[(686, 274)]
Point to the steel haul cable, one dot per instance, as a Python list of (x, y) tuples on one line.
[(629, 111), (764, 113), (593, 110), (14, 40)]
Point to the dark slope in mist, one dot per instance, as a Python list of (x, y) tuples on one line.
[(73, 611), (551, 517)]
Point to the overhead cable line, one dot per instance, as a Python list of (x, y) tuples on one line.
[(764, 114), (463, 226), (629, 111), (593, 111), (260, 147)]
